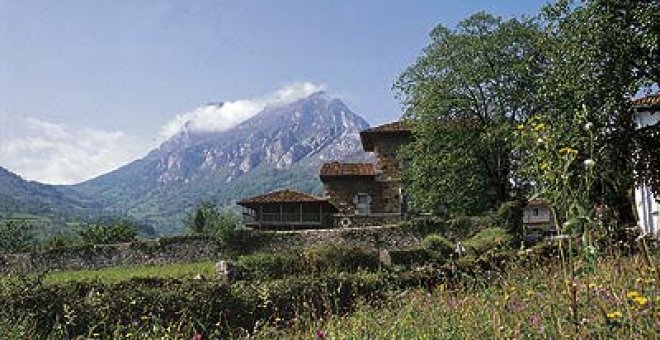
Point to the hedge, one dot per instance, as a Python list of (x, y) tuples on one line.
[(211, 307)]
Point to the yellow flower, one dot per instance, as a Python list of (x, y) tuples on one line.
[(539, 127), (641, 300), (592, 286), (530, 293), (520, 127), (544, 166), (615, 314), (632, 294), (568, 150)]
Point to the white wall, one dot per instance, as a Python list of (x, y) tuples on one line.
[(648, 206)]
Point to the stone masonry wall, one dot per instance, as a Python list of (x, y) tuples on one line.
[(392, 236), (160, 251)]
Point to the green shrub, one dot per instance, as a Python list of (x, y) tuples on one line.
[(15, 237), (97, 234), (410, 256), (488, 239), (509, 216), (269, 266), (338, 258), (438, 245)]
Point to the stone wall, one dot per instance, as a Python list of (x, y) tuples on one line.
[(159, 251), (392, 236)]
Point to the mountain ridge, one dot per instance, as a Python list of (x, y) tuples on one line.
[(281, 146)]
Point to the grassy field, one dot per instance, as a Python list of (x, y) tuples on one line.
[(116, 274), (619, 299)]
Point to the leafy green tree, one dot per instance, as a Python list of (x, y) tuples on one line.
[(601, 53), (15, 237), (465, 94), (208, 220), (97, 234)]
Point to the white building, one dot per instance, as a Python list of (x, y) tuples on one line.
[(647, 113)]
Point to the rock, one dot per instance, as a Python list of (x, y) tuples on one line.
[(226, 271), (384, 258)]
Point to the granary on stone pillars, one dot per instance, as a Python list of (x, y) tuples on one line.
[(370, 190), (287, 210)]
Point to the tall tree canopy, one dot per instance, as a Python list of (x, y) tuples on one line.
[(465, 94), (601, 53)]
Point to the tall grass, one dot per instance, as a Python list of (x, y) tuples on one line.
[(117, 274), (620, 300)]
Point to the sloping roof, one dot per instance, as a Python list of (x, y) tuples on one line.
[(650, 100), (337, 169), (279, 196), (534, 201), (390, 127), (397, 128)]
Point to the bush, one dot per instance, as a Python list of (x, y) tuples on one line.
[(438, 245), (97, 234), (410, 256), (269, 266), (488, 239), (15, 237), (336, 258)]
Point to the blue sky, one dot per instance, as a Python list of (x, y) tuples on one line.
[(124, 69)]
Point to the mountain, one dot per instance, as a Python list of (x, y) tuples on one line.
[(281, 146), (40, 203)]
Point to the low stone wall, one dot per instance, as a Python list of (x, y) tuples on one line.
[(159, 251), (390, 236)]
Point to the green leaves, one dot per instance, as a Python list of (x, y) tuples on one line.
[(15, 237), (97, 234), (465, 93)]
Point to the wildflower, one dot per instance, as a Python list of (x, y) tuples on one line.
[(592, 286), (641, 300), (539, 127), (589, 163), (632, 294), (520, 127), (544, 166), (614, 315), (568, 150), (540, 140), (320, 334), (588, 126), (530, 293)]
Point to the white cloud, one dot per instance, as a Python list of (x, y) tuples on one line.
[(61, 154), (222, 117)]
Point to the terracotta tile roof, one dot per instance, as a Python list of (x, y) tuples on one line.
[(285, 195), (390, 127), (398, 128), (536, 202), (336, 169), (650, 100)]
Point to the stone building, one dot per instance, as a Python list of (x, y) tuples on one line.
[(355, 193), (538, 220), (370, 193)]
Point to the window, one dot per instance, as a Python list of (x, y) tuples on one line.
[(536, 211), (362, 204)]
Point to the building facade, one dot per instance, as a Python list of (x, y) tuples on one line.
[(356, 194), (287, 210), (367, 193), (647, 205)]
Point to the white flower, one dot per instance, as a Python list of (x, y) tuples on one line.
[(540, 140), (589, 163), (588, 126)]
